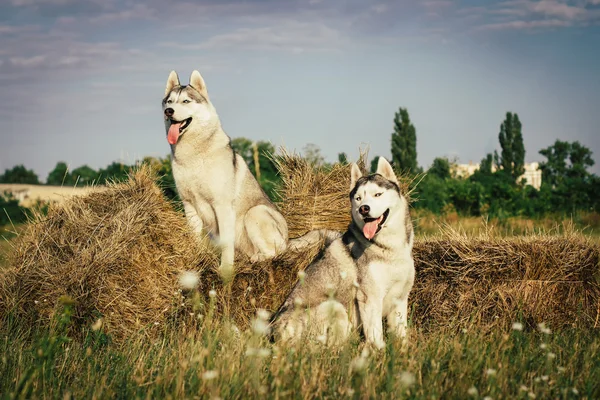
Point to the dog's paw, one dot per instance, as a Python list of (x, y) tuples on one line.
[(227, 272)]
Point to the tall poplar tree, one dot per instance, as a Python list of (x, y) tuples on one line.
[(404, 143), (512, 157)]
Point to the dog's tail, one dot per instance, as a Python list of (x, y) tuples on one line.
[(313, 237)]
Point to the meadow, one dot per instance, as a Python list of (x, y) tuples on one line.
[(90, 308)]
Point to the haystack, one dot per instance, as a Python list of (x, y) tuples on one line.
[(490, 282), (119, 253), (116, 253)]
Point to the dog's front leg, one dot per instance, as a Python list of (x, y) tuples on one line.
[(398, 317), (226, 223), (194, 220), (371, 316)]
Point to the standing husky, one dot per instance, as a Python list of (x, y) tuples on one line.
[(219, 193), (363, 276)]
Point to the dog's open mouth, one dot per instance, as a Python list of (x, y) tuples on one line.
[(177, 128), (374, 225)]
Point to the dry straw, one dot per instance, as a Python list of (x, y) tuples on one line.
[(119, 254)]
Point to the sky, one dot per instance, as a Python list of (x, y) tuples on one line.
[(82, 81)]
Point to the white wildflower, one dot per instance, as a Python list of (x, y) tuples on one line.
[(491, 372), (543, 346), (97, 325), (209, 375), (551, 356), (156, 323), (543, 328), (260, 353), (523, 388), (575, 391), (487, 398), (537, 379), (517, 326), (212, 294), (301, 275), (260, 326), (561, 369), (188, 280), (531, 395), (473, 391), (263, 353), (407, 378), (263, 314), (545, 378), (359, 364)]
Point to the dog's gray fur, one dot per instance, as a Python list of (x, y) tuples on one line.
[(357, 281)]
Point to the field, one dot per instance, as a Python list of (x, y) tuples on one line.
[(89, 308)]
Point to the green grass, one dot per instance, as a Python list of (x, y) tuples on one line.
[(209, 359), (212, 360)]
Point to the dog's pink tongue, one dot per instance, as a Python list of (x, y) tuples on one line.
[(173, 134), (370, 228)]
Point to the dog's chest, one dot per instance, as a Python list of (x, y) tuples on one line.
[(387, 279)]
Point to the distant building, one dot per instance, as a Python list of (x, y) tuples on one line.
[(532, 175)]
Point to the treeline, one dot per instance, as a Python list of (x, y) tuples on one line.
[(495, 189)]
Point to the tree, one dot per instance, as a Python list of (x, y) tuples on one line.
[(243, 147), (565, 177), (59, 175), (374, 162), (404, 143), (440, 168), (512, 157), (312, 154), (84, 176), (269, 176), (10, 210), (485, 166), (114, 172), (342, 158), (19, 174)]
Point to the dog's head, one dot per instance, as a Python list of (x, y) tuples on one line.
[(187, 107), (375, 198)]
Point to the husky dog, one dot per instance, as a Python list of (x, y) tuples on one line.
[(363, 276), (219, 193)]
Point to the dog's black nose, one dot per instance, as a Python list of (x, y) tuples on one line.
[(169, 112), (364, 209)]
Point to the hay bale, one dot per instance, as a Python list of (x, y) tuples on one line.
[(119, 253), (492, 282), (317, 197)]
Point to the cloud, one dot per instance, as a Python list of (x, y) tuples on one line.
[(27, 62), (539, 15), (525, 25), (287, 36)]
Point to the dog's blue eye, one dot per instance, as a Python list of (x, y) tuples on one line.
[(378, 194), (185, 101)]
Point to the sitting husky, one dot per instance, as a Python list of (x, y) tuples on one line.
[(219, 193), (363, 276)]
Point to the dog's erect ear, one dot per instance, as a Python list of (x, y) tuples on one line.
[(197, 83), (355, 175), (171, 82), (385, 169)]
